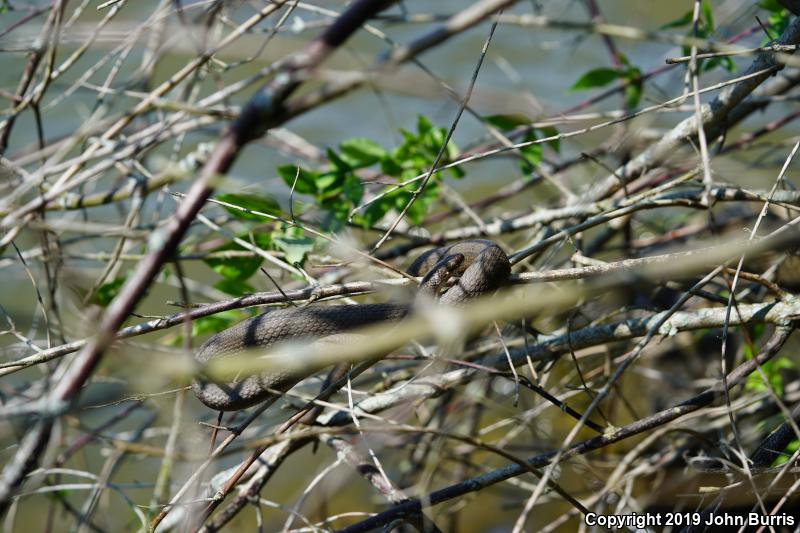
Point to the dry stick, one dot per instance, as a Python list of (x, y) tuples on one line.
[(270, 462), (597, 18), (347, 289), (111, 464), (294, 511), (728, 309), (21, 22), (245, 465), (511, 305), (504, 193), (368, 471), (601, 395), (443, 148), (451, 92), (762, 457), (119, 247), (201, 468), (165, 471), (28, 73), (266, 298), (746, 51), (37, 93), (64, 183), (163, 245), (552, 346), (776, 442), (626, 209), (522, 130), (308, 229), (136, 143), (714, 120), (708, 181), (256, 118), (630, 32), (774, 312), (334, 36), (255, 486), (482, 481), (509, 224), (454, 25), (748, 77), (634, 327), (270, 441)]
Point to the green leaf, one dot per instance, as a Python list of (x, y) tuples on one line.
[(706, 16), (306, 179), (456, 172), (416, 213), (423, 125), (107, 291), (329, 180), (337, 190), (771, 5), (337, 162), (434, 141), (684, 20), (632, 95), (777, 21), (295, 248), (705, 22), (352, 189), (251, 202), (507, 122), (362, 152), (214, 323), (413, 172), (705, 28), (772, 369), (336, 214), (234, 287), (209, 324), (391, 166), (633, 90), (531, 155), (238, 268), (598, 77), (452, 150), (757, 331), (787, 453), (756, 383), (376, 211), (727, 63), (551, 131)]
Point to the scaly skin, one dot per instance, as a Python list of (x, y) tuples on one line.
[(482, 266)]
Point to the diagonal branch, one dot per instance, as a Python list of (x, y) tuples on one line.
[(256, 118)]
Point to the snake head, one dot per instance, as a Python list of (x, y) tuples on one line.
[(433, 281)]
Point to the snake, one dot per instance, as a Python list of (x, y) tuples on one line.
[(480, 265)]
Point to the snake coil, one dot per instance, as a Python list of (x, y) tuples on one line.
[(482, 267)]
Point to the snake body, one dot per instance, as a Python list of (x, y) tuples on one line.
[(482, 266)]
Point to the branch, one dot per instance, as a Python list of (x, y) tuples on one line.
[(482, 481), (257, 117)]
